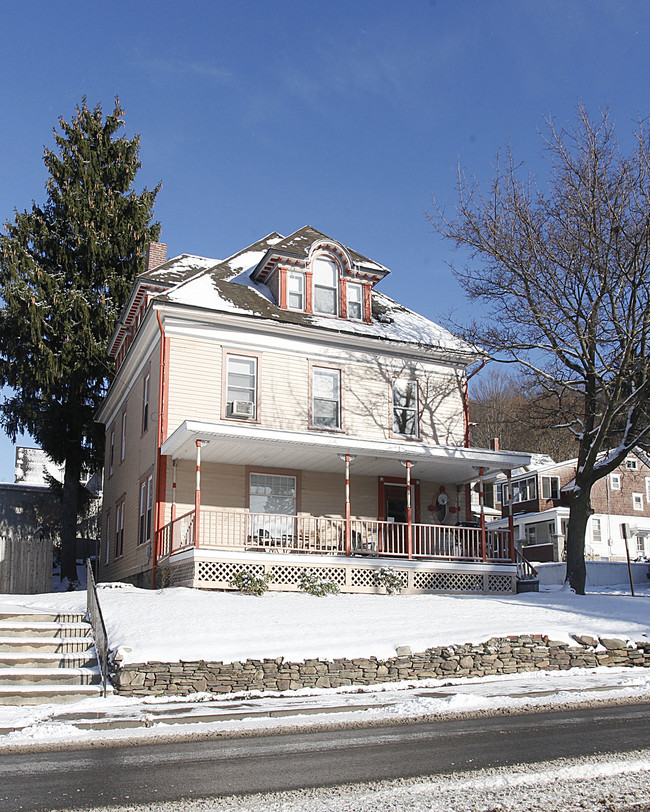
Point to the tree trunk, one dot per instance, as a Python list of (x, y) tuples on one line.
[(579, 513), (69, 520)]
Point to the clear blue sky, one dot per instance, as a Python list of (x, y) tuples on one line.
[(265, 116)]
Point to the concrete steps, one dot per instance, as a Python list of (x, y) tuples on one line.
[(47, 659)]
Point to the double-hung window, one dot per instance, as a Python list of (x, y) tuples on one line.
[(326, 398), (550, 487), (355, 301), (637, 501), (325, 283), (596, 532), (145, 402), (405, 407), (119, 529), (123, 438), (295, 291), (241, 387), (146, 510), (111, 452), (524, 490)]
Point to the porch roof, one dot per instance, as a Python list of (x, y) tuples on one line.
[(269, 448)]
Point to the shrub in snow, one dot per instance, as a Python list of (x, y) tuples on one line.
[(389, 579), (250, 584), (315, 585)]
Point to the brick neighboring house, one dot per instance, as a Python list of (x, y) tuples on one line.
[(620, 501), (277, 402)]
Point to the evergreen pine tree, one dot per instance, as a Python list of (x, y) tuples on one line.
[(66, 269)]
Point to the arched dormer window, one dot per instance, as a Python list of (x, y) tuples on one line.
[(325, 285)]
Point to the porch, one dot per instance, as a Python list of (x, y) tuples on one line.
[(279, 533), (263, 508), (426, 557)]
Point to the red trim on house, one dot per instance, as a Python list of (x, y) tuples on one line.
[(283, 288), (367, 304), (344, 297), (161, 461), (394, 480), (309, 299)]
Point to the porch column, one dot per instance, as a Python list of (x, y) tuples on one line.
[(409, 511), (511, 522), (174, 465), (197, 495), (348, 522), (347, 458), (481, 501)]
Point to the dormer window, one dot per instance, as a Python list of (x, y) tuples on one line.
[(326, 277), (295, 291), (354, 301)]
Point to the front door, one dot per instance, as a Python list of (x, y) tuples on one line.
[(392, 509), (395, 503)]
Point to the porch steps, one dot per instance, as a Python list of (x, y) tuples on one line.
[(47, 659)]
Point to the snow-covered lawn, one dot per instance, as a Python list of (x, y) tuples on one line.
[(178, 624), (185, 624)]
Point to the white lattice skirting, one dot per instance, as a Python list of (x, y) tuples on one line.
[(204, 569)]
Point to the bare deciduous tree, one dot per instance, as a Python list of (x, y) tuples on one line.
[(563, 276), (521, 415)]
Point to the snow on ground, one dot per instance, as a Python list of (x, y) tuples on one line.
[(185, 624)]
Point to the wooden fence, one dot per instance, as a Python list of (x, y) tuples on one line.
[(25, 566)]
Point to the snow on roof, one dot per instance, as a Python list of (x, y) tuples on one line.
[(226, 286), (33, 466), (179, 269)]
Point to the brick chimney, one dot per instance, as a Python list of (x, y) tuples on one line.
[(156, 255)]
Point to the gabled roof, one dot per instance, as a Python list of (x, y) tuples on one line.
[(299, 245), (234, 286)]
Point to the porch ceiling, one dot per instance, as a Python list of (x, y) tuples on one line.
[(251, 445)]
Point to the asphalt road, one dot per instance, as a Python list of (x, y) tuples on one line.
[(168, 772)]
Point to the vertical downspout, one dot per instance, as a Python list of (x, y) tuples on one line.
[(160, 468)]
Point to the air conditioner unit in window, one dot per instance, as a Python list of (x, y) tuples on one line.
[(243, 408)]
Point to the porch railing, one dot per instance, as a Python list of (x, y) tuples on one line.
[(317, 534)]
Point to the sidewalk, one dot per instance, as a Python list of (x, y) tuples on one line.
[(118, 718)]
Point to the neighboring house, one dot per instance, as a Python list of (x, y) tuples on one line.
[(276, 402), (620, 501), (30, 515)]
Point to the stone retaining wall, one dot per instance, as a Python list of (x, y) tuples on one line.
[(496, 656)]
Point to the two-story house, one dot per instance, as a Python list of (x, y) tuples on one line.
[(273, 412), (620, 501)]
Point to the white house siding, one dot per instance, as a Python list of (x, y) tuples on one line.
[(194, 380), (284, 371), (139, 461)]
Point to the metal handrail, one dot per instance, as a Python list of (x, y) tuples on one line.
[(525, 565), (97, 623)]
